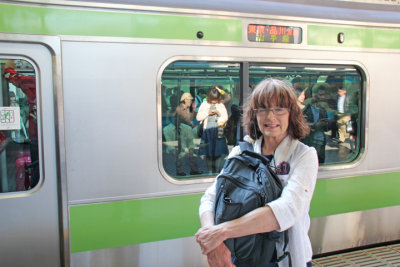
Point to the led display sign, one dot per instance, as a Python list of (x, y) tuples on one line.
[(274, 34)]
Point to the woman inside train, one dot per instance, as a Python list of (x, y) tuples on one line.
[(275, 124), (212, 116)]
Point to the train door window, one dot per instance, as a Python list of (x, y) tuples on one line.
[(330, 97), (200, 116), (19, 162)]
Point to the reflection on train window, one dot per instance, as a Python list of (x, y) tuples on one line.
[(200, 116), (19, 161), (196, 140), (330, 97)]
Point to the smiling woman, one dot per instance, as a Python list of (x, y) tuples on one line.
[(275, 123), (286, 116), (113, 134)]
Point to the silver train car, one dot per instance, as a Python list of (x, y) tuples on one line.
[(95, 168)]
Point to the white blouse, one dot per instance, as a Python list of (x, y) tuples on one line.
[(291, 209), (202, 114)]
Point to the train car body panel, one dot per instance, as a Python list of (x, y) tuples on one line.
[(99, 187), (331, 233), (107, 196)]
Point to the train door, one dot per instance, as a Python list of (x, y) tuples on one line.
[(29, 199)]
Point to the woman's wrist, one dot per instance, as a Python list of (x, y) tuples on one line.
[(222, 92), (225, 230)]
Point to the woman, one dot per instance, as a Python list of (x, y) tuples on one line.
[(213, 143), (274, 120)]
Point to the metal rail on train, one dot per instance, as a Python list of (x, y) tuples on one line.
[(95, 170)]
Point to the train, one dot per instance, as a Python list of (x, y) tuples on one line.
[(97, 171)]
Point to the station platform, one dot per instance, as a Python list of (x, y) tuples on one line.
[(372, 257)]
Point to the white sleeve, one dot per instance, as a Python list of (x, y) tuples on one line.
[(203, 111), (296, 196), (224, 113), (207, 200)]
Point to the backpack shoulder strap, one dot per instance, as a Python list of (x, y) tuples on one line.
[(246, 146), (252, 158), (285, 252)]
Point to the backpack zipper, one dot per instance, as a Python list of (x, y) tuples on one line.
[(260, 195)]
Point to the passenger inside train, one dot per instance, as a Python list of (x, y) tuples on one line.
[(213, 114), (232, 127), (317, 118), (179, 135), (19, 156), (301, 90)]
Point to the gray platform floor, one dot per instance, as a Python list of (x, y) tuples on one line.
[(372, 257)]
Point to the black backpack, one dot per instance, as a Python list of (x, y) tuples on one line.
[(247, 182)]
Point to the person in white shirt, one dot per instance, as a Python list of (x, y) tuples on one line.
[(214, 115), (276, 123), (342, 117)]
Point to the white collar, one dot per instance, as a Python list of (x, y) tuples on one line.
[(282, 152)]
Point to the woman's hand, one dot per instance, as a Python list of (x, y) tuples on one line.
[(222, 92), (220, 257), (209, 237)]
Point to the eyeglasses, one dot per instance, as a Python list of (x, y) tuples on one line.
[(277, 111)]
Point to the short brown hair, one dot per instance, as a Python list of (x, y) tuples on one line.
[(214, 95), (273, 91)]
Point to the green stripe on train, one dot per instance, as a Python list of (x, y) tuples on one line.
[(354, 37), (64, 21), (122, 223)]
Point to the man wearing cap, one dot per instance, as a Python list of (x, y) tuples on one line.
[(186, 109), (184, 115)]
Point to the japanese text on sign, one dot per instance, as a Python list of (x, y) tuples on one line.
[(274, 34)]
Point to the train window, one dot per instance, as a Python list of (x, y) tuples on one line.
[(19, 161), (195, 139), (330, 97)]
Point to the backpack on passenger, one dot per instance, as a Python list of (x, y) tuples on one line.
[(247, 182)]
